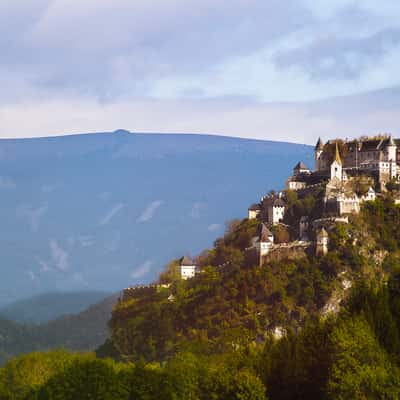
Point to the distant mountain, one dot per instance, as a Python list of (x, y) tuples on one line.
[(82, 332), (97, 212), (49, 306)]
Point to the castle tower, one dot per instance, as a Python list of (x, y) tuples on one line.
[(265, 242), (336, 166), (322, 241), (188, 268), (319, 148)]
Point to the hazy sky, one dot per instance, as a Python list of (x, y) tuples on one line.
[(284, 70)]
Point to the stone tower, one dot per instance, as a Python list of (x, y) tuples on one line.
[(322, 241)]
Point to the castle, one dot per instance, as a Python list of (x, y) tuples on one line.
[(348, 173)]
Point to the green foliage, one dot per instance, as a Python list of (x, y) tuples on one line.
[(360, 368)]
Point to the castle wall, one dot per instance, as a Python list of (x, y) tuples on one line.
[(286, 251)]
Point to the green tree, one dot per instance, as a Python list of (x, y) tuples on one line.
[(360, 369)]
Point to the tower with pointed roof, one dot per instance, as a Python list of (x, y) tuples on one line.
[(337, 166)]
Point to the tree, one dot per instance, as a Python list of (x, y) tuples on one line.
[(85, 379), (360, 369)]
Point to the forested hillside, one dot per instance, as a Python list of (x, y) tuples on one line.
[(215, 336), (84, 331)]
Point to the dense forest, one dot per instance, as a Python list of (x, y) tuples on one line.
[(307, 328)]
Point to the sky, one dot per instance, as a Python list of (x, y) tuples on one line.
[(266, 69)]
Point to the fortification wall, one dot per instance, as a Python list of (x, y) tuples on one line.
[(290, 251)]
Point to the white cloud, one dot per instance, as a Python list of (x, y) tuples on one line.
[(214, 227), (150, 210), (111, 214), (142, 270), (150, 70), (59, 256)]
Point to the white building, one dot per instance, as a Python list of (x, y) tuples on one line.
[(276, 210), (254, 211), (188, 268), (370, 195)]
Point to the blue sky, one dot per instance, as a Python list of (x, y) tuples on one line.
[(266, 69)]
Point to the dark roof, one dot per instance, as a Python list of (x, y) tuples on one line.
[(255, 207), (265, 233), (301, 165), (279, 203), (371, 145), (186, 261)]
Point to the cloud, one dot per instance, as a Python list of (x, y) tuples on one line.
[(150, 210), (190, 65), (31, 214), (59, 256), (142, 270), (111, 214), (213, 227), (330, 57)]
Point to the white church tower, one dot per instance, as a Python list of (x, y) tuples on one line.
[(336, 166)]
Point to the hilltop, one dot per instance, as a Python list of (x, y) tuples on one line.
[(295, 258)]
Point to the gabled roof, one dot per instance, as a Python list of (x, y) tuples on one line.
[(186, 261), (265, 234), (255, 207)]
